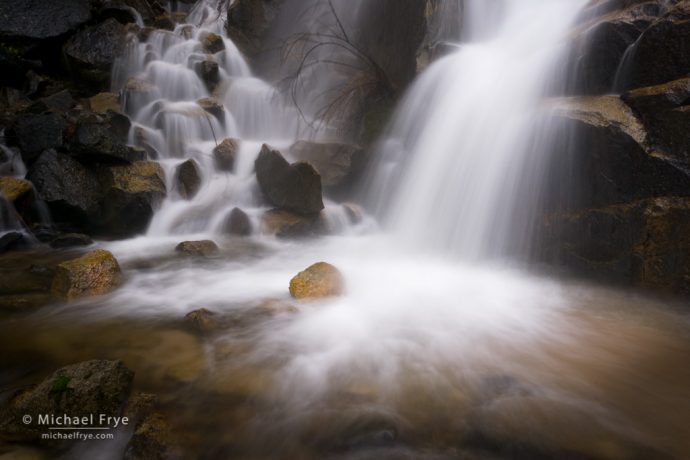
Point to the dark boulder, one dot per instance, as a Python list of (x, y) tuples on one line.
[(237, 223), (70, 240), (212, 43), (225, 155), (209, 73), (103, 138), (188, 179), (39, 19), (59, 102), (71, 191), (34, 133), (295, 187), (91, 52), (79, 390), (337, 164)]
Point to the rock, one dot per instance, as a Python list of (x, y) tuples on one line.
[(203, 320), (103, 138), (318, 281), (285, 224), (14, 189), (213, 107), (153, 439), (643, 243), (188, 179), (179, 17), (60, 102), (295, 187), (164, 22), (133, 194), (337, 164), (34, 133), (79, 390), (37, 19), (205, 248), (354, 212), (12, 241), (94, 273), (609, 161), (225, 155), (137, 93), (92, 52), (209, 73), (102, 102), (248, 18), (71, 191), (70, 240), (237, 223), (212, 43)]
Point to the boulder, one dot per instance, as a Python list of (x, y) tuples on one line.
[(295, 187), (609, 161), (91, 52), (79, 390), (39, 20), (71, 191), (137, 93), (286, 224), (102, 138), (14, 189), (132, 195), (337, 164), (213, 107), (203, 320), (59, 102), (318, 281), (225, 155), (212, 43), (103, 102), (204, 248), (153, 439), (209, 73), (188, 179), (34, 133), (70, 240), (237, 223), (94, 273)]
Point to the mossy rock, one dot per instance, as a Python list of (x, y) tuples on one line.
[(94, 273), (13, 188), (318, 281)]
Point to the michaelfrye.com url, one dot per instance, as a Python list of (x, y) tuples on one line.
[(75, 436)]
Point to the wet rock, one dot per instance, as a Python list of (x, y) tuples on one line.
[(94, 273), (164, 22), (318, 281), (213, 107), (153, 439), (179, 17), (79, 390), (237, 223), (37, 19), (212, 43), (285, 224), (133, 194), (70, 240), (188, 179), (103, 138), (203, 320), (137, 93), (295, 187), (92, 52), (225, 155), (34, 133), (102, 102), (12, 241), (139, 406), (337, 164), (11, 303), (355, 213), (71, 191), (204, 248), (60, 102), (14, 189), (209, 73)]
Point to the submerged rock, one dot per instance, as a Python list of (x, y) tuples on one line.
[(237, 223), (286, 224), (225, 154), (188, 179), (70, 240), (79, 390), (12, 241), (94, 273), (295, 187), (203, 320), (204, 248), (318, 281)]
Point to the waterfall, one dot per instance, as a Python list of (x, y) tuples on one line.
[(461, 166)]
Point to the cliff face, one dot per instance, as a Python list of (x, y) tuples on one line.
[(619, 202)]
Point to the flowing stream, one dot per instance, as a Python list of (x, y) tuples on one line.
[(440, 348)]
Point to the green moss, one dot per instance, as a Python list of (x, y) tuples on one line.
[(60, 387)]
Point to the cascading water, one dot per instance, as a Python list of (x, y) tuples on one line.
[(461, 155)]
